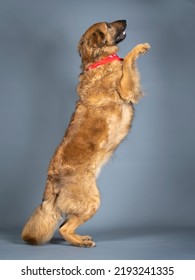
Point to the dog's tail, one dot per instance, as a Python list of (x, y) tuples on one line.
[(42, 224)]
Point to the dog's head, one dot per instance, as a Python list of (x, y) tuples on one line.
[(100, 40)]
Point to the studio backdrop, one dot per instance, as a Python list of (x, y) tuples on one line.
[(150, 180)]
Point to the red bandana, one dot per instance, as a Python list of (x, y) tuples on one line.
[(105, 60)]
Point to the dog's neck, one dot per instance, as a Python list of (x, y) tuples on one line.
[(103, 61)]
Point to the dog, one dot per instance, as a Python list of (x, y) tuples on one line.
[(108, 88)]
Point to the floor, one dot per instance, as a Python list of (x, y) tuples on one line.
[(126, 244)]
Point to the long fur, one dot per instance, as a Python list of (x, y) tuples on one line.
[(42, 224), (102, 119)]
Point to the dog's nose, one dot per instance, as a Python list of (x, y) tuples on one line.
[(123, 21)]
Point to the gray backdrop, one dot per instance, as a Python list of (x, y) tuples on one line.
[(150, 180)]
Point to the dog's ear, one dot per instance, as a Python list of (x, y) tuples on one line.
[(97, 39), (91, 46)]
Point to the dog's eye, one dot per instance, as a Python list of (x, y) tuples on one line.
[(108, 25)]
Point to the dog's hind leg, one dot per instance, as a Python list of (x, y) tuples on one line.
[(67, 230), (83, 237)]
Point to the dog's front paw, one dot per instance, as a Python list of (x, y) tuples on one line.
[(143, 48)]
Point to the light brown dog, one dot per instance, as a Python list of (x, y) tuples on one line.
[(108, 87)]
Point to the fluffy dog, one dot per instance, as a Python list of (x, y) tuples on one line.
[(108, 87)]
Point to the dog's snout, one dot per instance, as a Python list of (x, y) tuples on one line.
[(122, 22)]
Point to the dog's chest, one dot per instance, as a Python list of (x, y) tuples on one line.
[(118, 125)]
